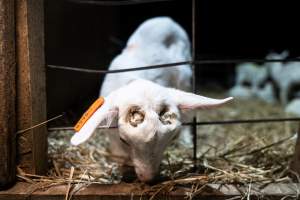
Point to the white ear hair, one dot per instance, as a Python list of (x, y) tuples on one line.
[(189, 101), (106, 111)]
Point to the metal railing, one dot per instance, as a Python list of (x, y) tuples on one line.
[(192, 62)]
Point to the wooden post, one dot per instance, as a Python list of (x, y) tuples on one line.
[(7, 94), (295, 164), (31, 91)]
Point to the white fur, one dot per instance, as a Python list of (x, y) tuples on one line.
[(257, 86), (146, 47), (156, 41), (293, 107), (285, 78), (285, 75)]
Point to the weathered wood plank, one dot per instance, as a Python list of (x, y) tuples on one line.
[(31, 92), (7, 93), (132, 191), (295, 164)]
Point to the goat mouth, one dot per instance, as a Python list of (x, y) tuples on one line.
[(146, 177), (145, 174)]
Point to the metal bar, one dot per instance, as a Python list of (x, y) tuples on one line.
[(199, 62), (242, 60), (194, 126), (228, 122), (115, 3), (120, 70), (245, 121)]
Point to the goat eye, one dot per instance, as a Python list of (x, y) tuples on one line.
[(165, 116), (246, 84), (135, 116)]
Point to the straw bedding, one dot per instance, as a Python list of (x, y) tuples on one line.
[(237, 153)]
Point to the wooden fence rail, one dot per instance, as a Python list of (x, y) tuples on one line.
[(7, 93), (31, 88)]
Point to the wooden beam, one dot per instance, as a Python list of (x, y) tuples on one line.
[(31, 91), (7, 93), (134, 191), (295, 163)]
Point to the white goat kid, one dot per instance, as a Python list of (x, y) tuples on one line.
[(286, 76), (148, 114), (252, 82)]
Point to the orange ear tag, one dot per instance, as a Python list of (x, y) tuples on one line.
[(87, 115)]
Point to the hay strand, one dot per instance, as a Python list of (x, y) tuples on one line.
[(241, 154)]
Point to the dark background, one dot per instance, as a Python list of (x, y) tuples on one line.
[(90, 36)]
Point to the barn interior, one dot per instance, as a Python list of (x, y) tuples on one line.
[(89, 36)]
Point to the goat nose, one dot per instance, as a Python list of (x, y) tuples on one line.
[(144, 174), (145, 177)]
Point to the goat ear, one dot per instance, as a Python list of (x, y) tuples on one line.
[(190, 101), (106, 113)]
